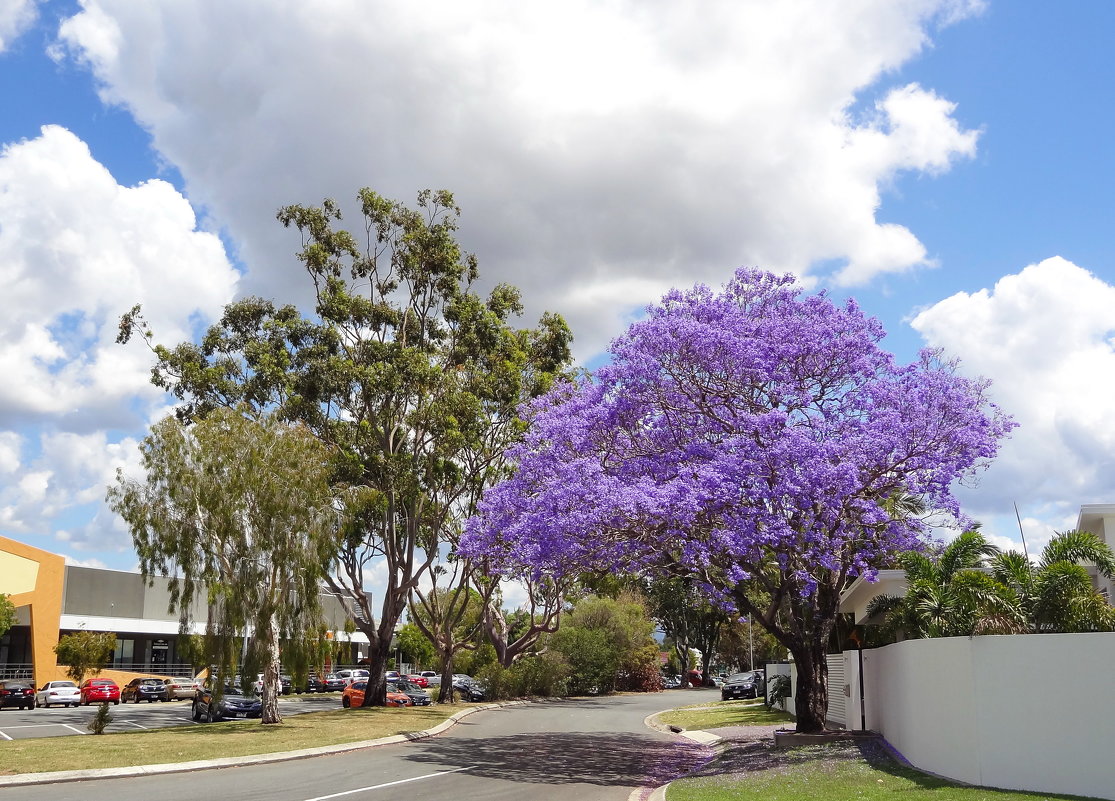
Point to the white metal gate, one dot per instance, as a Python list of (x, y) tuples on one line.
[(838, 691)]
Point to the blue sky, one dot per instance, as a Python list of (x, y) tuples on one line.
[(946, 162)]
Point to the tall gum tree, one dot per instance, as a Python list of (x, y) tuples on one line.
[(754, 438), (409, 375), (239, 513)]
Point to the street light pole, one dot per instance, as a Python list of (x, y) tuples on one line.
[(751, 643)]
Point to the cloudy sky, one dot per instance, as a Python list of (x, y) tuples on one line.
[(946, 162)]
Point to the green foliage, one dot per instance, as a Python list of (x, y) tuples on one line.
[(84, 653), (99, 722), (239, 513), (540, 675), (777, 691), (947, 595), (1057, 595), (7, 613), (687, 616), (607, 643), (415, 645), (408, 375), (474, 661)]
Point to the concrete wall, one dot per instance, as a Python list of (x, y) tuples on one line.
[(1025, 712)]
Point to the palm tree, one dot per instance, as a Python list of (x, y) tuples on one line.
[(949, 595), (1057, 594)]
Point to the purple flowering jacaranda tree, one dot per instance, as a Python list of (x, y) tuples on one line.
[(756, 438)]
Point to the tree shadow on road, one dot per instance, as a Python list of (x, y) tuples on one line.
[(607, 759)]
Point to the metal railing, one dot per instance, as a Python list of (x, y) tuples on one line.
[(17, 670)]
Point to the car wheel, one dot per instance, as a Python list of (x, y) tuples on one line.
[(210, 716), (345, 702), (116, 702)]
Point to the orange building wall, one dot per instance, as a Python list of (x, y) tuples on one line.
[(33, 578)]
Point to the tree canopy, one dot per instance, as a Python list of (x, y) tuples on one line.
[(403, 369), (239, 513), (753, 437), (7, 613), (84, 653)]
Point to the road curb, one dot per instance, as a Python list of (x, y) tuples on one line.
[(57, 777)]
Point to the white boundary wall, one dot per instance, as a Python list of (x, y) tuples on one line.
[(1025, 712)]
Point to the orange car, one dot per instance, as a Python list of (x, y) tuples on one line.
[(354, 695)]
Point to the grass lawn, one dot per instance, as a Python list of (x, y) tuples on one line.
[(834, 772), (225, 739), (724, 713)]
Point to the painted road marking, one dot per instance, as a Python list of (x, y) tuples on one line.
[(390, 784)]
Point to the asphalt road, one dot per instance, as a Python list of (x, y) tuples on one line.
[(584, 749), (59, 721)]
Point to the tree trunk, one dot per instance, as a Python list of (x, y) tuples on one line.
[(445, 691), (375, 694), (811, 691), (272, 683)]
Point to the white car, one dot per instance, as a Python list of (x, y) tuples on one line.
[(432, 677), (65, 693), (349, 675)]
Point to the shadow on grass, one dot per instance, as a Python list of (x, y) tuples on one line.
[(756, 757)]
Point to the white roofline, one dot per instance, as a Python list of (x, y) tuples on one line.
[(138, 625)]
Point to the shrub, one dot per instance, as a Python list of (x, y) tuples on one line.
[(778, 690), (101, 720)]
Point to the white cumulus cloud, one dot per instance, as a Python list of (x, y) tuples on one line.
[(1046, 337), (77, 250), (599, 150), (16, 16)]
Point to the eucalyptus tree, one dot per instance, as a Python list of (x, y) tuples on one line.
[(1057, 594), (737, 431), (518, 634), (448, 614), (403, 369), (687, 616), (238, 512)]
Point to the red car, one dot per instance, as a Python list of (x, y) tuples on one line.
[(419, 679), (98, 691)]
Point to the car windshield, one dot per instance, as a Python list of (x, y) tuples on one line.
[(740, 677), (63, 684)]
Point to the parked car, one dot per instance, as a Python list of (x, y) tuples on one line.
[(177, 689), (144, 689), (740, 685), (332, 683), (415, 678), (99, 691), (232, 703), (414, 691), (349, 675), (17, 693), (354, 695), (760, 680), (286, 684), (467, 687), (65, 693), (433, 679), (671, 682), (392, 675)]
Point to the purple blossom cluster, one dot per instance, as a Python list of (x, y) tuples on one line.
[(749, 429)]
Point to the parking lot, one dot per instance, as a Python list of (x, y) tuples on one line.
[(21, 724)]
